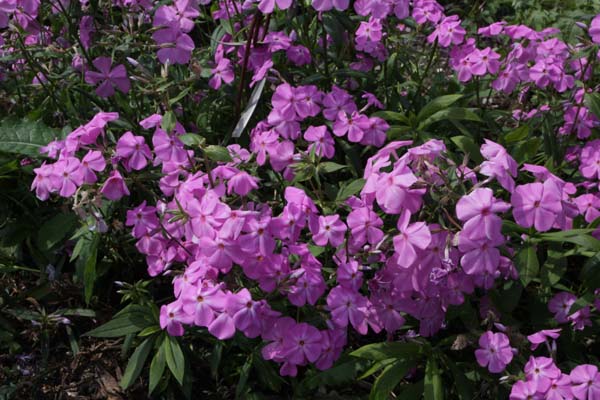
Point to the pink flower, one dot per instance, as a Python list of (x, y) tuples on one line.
[(495, 351), (336, 101), (242, 183), (67, 176), (302, 344), (331, 230), (560, 389), (560, 305), (354, 125), (542, 336), (135, 150), (478, 210), (267, 6), (108, 78), (223, 72), (585, 381), (448, 32), (172, 317), (326, 5), (499, 164), (590, 160), (393, 191), (42, 183), (114, 188), (348, 306), (364, 226), (321, 140), (168, 147), (175, 46), (525, 390), (481, 256), (92, 162), (542, 371), (485, 61), (143, 219), (537, 204), (411, 237), (594, 29), (203, 302)]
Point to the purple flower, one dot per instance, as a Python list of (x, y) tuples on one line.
[(525, 390), (267, 6), (585, 381), (135, 150), (322, 142), (448, 32), (542, 371), (560, 305), (302, 344), (410, 237), (67, 176), (176, 46), (223, 72), (331, 230), (495, 351), (348, 306), (108, 78), (542, 336), (478, 210), (114, 188), (537, 204)]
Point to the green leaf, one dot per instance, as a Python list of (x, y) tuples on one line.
[(579, 237), (157, 368), (55, 230), (350, 189), (127, 321), (136, 362), (25, 137), (433, 381), (592, 102), (192, 140), (343, 372), (240, 389), (168, 121), (174, 357), (464, 387), (527, 264), (386, 350), (218, 153), (437, 104), (553, 269), (392, 116), (89, 270), (247, 113), (388, 380), (469, 147), (590, 273), (376, 367), (455, 114), (412, 392), (517, 135), (328, 167)]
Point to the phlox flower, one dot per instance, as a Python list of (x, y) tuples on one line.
[(542, 336), (537, 204), (560, 304), (135, 150), (114, 187), (411, 237), (109, 78), (302, 344), (308, 287), (349, 276), (499, 164), (560, 389), (204, 302), (348, 307), (525, 390), (448, 32), (242, 183), (364, 226), (223, 72), (172, 317), (326, 5), (267, 6), (43, 182), (594, 29), (321, 140), (585, 381), (495, 352), (67, 176), (590, 160), (175, 46), (542, 371), (485, 61), (481, 256), (353, 125), (92, 162), (478, 210), (143, 219), (331, 230)]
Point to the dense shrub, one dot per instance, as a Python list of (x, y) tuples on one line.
[(378, 187)]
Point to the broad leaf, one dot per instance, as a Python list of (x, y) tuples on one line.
[(527, 264), (386, 350), (25, 137), (437, 104), (174, 357), (136, 362), (388, 380), (433, 381)]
